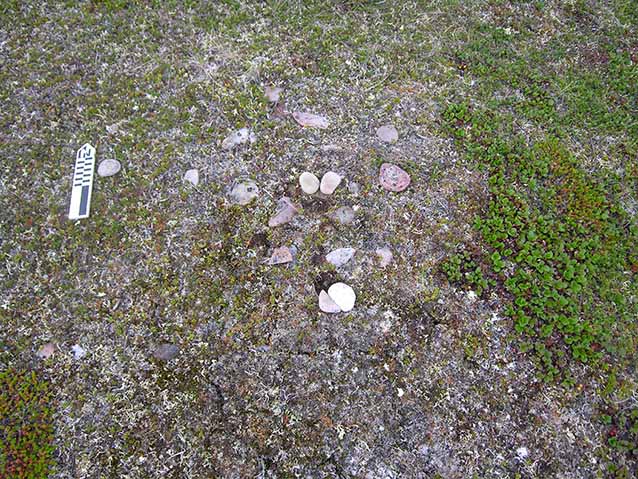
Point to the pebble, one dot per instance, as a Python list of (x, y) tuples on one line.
[(326, 304), (385, 256), (237, 138), (310, 120), (344, 215), (354, 187), (388, 134), (192, 176), (78, 351), (108, 168), (343, 296), (285, 212), (244, 192), (46, 351), (329, 182), (272, 93), (281, 255), (309, 183), (340, 256), (165, 351), (393, 178)]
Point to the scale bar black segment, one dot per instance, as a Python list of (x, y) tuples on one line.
[(84, 200)]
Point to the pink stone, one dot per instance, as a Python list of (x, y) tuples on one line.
[(46, 351), (310, 119), (281, 255), (285, 212), (393, 178)]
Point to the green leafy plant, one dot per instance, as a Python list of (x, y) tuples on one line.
[(26, 431)]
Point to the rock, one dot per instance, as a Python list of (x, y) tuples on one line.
[(285, 212), (326, 304), (108, 168), (244, 192), (165, 352), (309, 183), (281, 255), (344, 215), (46, 351), (340, 256), (388, 134), (354, 187), (310, 120), (393, 178), (384, 255), (343, 296), (272, 93), (329, 182), (192, 176), (78, 351), (237, 138)]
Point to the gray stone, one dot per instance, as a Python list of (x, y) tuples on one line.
[(344, 215), (165, 352), (237, 138), (244, 192), (108, 167), (340, 256)]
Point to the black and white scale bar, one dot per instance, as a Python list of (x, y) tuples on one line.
[(82, 183)]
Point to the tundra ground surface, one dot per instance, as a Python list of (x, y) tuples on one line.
[(152, 340)]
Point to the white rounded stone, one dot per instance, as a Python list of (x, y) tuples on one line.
[(329, 182), (343, 296), (192, 176), (108, 167), (326, 304), (309, 183)]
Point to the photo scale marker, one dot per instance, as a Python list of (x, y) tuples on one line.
[(82, 183)]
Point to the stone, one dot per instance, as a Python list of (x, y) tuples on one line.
[(165, 351), (388, 134), (384, 256), (46, 351), (237, 138), (310, 120), (329, 182), (192, 176), (343, 296), (340, 256), (393, 178), (272, 93), (354, 187), (285, 212), (78, 351), (309, 183), (326, 304), (280, 255), (344, 215), (244, 192), (108, 167)]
